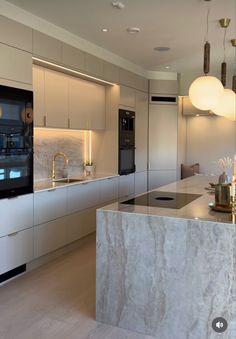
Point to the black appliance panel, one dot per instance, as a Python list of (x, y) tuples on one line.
[(16, 141), (16, 111), (126, 161), (16, 172), (126, 141), (163, 199)]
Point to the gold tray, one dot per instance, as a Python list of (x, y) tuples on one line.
[(218, 208)]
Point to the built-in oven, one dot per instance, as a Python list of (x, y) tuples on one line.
[(16, 141), (126, 142)]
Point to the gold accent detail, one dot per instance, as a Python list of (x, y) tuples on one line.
[(224, 22), (66, 161), (233, 42)]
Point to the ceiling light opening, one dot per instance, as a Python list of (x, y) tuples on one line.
[(117, 4), (133, 30), (162, 48)]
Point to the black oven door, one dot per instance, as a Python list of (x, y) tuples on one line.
[(126, 160), (16, 172)]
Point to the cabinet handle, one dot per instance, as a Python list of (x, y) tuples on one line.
[(85, 183), (52, 190), (14, 197), (68, 122), (12, 234), (44, 120)]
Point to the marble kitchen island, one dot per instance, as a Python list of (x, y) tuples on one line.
[(167, 272)]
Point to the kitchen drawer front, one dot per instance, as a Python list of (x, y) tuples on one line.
[(50, 236), (50, 205), (83, 196), (16, 214), (140, 182), (81, 224), (16, 249), (126, 185), (108, 190)]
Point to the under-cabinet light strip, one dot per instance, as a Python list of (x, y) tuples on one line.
[(44, 62)]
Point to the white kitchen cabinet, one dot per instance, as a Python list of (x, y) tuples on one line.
[(83, 196), (110, 72), (16, 214), (50, 205), (56, 99), (39, 96), (108, 190), (126, 185), (141, 131), (73, 57), (15, 64), (81, 224), (93, 65), (164, 86), (127, 96), (127, 78), (47, 47), (50, 236), (163, 137), (16, 249), (159, 178), (140, 182), (86, 104), (14, 34)]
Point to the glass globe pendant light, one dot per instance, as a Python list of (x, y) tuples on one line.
[(205, 91)]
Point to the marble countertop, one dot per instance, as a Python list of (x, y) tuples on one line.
[(47, 184), (196, 210)]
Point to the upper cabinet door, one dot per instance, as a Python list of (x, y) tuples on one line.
[(47, 47), (73, 57), (56, 99), (38, 88), (86, 104), (93, 65), (15, 34), (127, 96)]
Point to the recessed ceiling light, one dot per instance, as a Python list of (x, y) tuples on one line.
[(167, 67), (133, 30), (162, 49), (105, 30), (117, 4)]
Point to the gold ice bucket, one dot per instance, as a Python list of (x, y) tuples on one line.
[(222, 195)]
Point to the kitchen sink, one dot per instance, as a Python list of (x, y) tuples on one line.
[(68, 180)]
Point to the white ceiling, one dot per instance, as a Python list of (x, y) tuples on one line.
[(179, 24)]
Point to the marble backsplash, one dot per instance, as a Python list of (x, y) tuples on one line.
[(49, 142)]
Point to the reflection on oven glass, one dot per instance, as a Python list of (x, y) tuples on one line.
[(15, 174)]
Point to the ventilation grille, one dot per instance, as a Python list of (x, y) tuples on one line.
[(163, 99)]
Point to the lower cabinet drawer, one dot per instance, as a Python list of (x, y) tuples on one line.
[(81, 224), (16, 249), (50, 236)]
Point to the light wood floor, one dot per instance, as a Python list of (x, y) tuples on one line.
[(56, 301)]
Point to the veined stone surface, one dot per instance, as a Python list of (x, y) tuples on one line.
[(164, 276)]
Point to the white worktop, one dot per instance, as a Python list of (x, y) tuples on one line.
[(48, 184), (197, 209)]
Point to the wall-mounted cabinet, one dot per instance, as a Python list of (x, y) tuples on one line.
[(110, 72), (127, 96), (15, 34), (93, 65), (86, 104), (63, 101), (15, 64), (73, 57), (47, 47), (56, 99)]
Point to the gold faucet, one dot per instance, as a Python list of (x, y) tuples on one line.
[(66, 161)]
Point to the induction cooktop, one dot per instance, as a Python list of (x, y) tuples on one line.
[(163, 199)]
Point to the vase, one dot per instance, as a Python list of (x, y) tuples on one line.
[(89, 169), (224, 178)]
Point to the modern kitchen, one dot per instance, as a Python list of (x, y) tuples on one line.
[(117, 169)]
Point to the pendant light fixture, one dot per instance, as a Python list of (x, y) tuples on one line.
[(226, 104), (205, 91)]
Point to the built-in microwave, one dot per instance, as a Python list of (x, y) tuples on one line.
[(16, 141)]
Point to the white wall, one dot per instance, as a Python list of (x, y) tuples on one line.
[(208, 139)]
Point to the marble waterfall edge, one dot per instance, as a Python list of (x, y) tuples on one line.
[(165, 277)]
